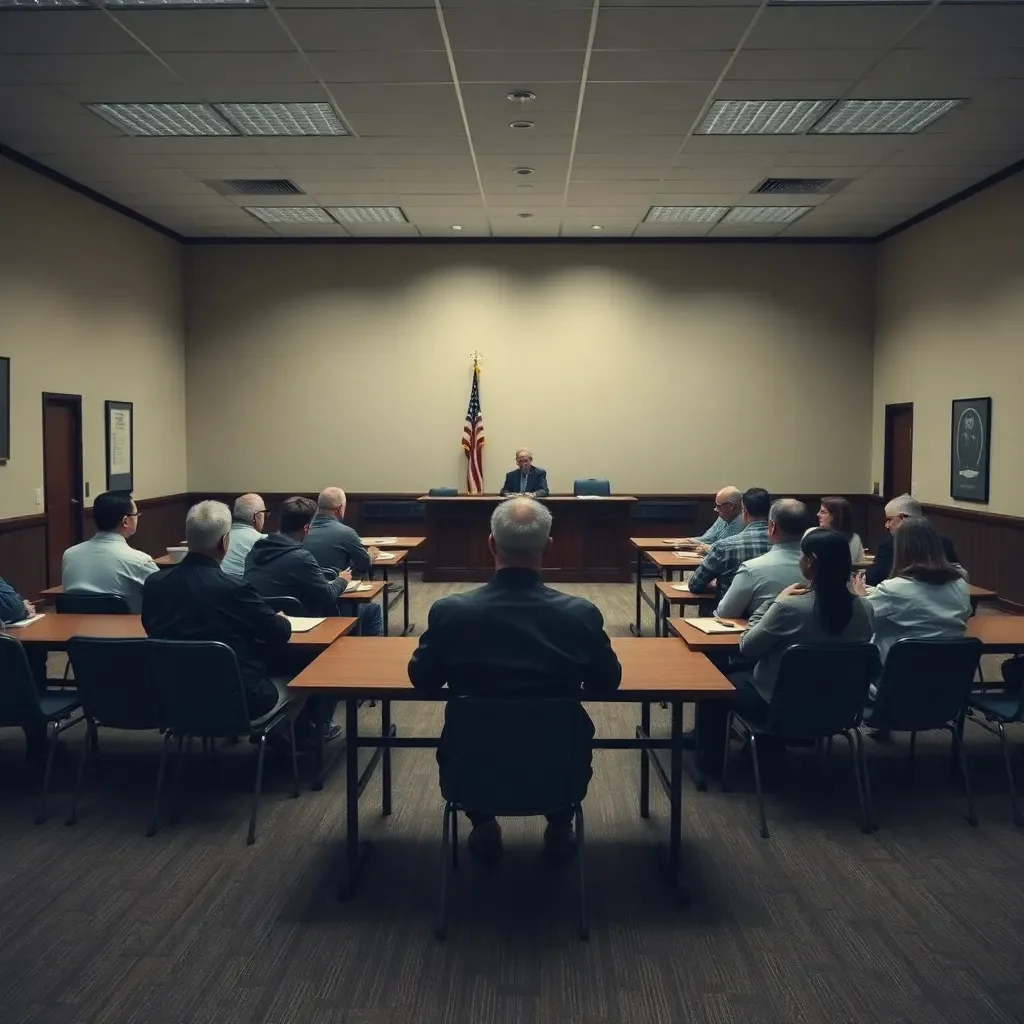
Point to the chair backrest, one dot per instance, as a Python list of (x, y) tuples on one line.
[(19, 700), (514, 756), (443, 492), (113, 682), (288, 605), (925, 684), (592, 485), (821, 689), (199, 687), (91, 604)]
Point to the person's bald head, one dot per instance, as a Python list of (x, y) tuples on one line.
[(249, 509), (788, 519), (331, 501), (520, 533), (728, 503)]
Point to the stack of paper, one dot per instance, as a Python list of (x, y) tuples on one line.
[(684, 587), (354, 585), (715, 626), (673, 540), (384, 555), (25, 622), (301, 624), (371, 541)]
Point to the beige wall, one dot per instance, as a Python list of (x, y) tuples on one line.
[(666, 368), (951, 325), (90, 304)]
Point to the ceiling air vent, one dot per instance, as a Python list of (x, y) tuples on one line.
[(256, 187), (794, 186)]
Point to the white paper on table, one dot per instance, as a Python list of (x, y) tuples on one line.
[(673, 540), (355, 585), (715, 626), (384, 555), (301, 624), (26, 622), (684, 587), (592, 497), (371, 541), (685, 554)]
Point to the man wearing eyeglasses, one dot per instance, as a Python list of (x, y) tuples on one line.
[(248, 518), (903, 507), (728, 520), (106, 564)]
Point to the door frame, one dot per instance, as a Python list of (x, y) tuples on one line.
[(75, 401), (891, 411)]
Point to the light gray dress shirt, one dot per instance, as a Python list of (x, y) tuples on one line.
[(760, 579), (906, 609), (240, 542), (106, 564), (720, 529)]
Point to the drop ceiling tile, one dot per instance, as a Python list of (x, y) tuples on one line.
[(615, 97), (638, 122), (521, 149), (187, 31), (237, 165), (859, 26), (786, 65), (117, 73), (646, 145), (319, 183), (780, 89), (361, 4), (908, 64), (74, 31), (836, 164), (517, 29), (488, 124), (400, 144), (681, 197), (859, 148), (383, 230), (721, 230), (711, 186), (491, 99), (426, 189), (625, 165), (371, 123), (739, 145), (427, 98), (381, 65), (671, 28), (604, 191), (519, 68), (340, 197), (545, 164), (220, 71), (412, 29), (968, 25), (657, 65), (441, 162), (345, 149), (664, 231), (652, 175), (527, 201), (610, 227)]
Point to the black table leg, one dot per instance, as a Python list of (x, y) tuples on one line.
[(645, 762), (384, 606), (636, 628), (353, 853), (385, 767), (320, 768), (405, 595), (675, 825)]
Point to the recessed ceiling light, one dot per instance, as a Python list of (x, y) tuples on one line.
[(141, 119), (882, 117), (520, 125), (765, 214), (522, 170), (368, 214), (685, 214), (456, 227), (762, 117), (41, 5), (596, 227), (524, 216), (289, 214), (283, 118), (521, 96), (184, 3)]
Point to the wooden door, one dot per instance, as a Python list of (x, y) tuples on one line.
[(899, 449), (62, 477)]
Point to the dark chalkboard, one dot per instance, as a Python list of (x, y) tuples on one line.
[(5, 408)]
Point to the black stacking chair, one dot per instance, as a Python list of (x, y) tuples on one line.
[(1001, 709), (286, 604), (516, 758), (91, 604)]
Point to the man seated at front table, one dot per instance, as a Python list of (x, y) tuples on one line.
[(896, 511), (724, 559), (15, 608), (516, 637), (765, 577), (105, 564), (247, 520), (528, 479), (728, 520)]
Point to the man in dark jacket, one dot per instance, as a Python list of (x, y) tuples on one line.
[(528, 479), (903, 507), (14, 608), (515, 637)]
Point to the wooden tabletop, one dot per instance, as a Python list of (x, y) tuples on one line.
[(378, 666), (981, 594), (673, 559), (550, 497), (385, 544), (673, 596), (658, 543), (702, 643), (376, 586), (55, 630), (389, 557)]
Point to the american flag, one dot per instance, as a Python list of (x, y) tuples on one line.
[(473, 438)]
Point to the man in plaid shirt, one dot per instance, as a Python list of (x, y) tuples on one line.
[(722, 562)]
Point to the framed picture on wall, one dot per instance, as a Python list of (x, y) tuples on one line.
[(971, 449), (118, 424), (5, 408)]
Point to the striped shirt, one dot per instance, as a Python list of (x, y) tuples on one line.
[(724, 559)]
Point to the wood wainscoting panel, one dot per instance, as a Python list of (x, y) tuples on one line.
[(161, 522), (23, 554)]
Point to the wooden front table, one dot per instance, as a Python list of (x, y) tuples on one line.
[(591, 539), (666, 597), (362, 668)]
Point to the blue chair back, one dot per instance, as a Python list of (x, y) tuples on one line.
[(821, 689), (925, 684), (592, 486), (288, 605), (514, 757), (113, 682), (19, 700), (91, 604), (199, 688), (443, 492)]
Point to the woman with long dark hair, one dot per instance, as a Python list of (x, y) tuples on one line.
[(836, 513)]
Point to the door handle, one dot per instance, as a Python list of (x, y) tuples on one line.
[(75, 501)]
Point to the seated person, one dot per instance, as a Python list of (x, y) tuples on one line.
[(728, 520), (105, 564), (724, 559), (926, 596), (760, 579), (247, 520), (898, 511), (823, 611), (14, 608), (527, 479), (516, 637), (836, 514)]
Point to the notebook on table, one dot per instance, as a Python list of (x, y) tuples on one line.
[(371, 541), (715, 626), (354, 585), (302, 624), (25, 622), (383, 555)]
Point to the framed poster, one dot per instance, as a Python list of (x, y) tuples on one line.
[(971, 449), (118, 418), (5, 408)]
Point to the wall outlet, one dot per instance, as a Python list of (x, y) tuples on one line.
[(87, 488), (39, 495)]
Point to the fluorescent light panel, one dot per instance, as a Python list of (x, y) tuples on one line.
[(882, 117), (41, 5), (162, 118), (765, 214), (289, 214), (182, 3), (368, 214), (685, 214), (762, 117), (282, 118)]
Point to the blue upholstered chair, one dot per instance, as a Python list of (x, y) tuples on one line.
[(1001, 709), (443, 492), (91, 604), (592, 487)]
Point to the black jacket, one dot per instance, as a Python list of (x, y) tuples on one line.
[(336, 546), (197, 600), (278, 566), (881, 567), (536, 482)]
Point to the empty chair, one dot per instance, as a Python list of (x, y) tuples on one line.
[(91, 604), (1000, 710), (512, 758), (820, 692), (115, 692), (286, 604), (200, 692), (22, 705), (443, 492), (925, 685), (592, 487)]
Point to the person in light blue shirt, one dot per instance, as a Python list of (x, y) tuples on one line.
[(106, 564), (247, 520), (13, 607), (765, 577), (728, 520)]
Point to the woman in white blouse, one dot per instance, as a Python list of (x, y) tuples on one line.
[(837, 514)]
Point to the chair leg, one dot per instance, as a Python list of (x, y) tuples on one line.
[(251, 837), (295, 758), (958, 744), (1017, 819), (441, 931), (455, 839), (910, 755), (865, 780), (865, 818), (87, 750), (826, 764), (757, 786), (581, 847), (47, 772), (179, 777), (725, 754), (161, 771)]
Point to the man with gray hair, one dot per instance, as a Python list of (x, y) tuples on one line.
[(247, 520), (528, 479), (728, 520), (896, 510), (333, 544), (516, 637)]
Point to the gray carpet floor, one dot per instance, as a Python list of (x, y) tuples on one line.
[(922, 922)]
